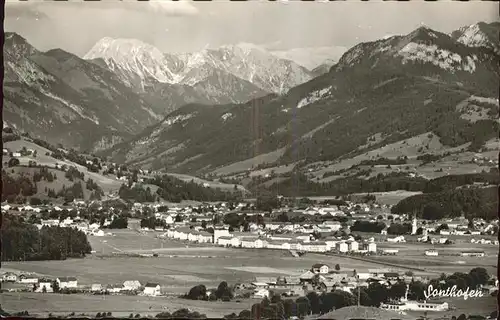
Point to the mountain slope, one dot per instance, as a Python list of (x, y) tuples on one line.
[(64, 99), (479, 35), (312, 57), (323, 68), (394, 88)]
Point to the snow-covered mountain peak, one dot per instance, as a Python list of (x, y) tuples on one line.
[(120, 49), (141, 64), (134, 58)]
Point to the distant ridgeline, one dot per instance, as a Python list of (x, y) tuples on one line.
[(22, 241)]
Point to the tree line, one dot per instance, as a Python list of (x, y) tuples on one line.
[(23, 241), (175, 190)]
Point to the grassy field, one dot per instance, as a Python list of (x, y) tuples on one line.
[(177, 268), (107, 184), (181, 266), (250, 163), (43, 304)]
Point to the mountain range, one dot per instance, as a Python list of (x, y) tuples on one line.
[(380, 92), (242, 106), (122, 86)]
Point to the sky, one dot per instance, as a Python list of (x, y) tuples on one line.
[(186, 26)]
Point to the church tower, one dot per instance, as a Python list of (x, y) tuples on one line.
[(414, 225)]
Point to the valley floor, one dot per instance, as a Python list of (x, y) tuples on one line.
[(181, 266)]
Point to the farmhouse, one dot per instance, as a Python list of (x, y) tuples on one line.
[(320, 268), (44, 285), (114, 288), (67, 282), (96, 287), (9, 277), (152, 289), (28, 279)]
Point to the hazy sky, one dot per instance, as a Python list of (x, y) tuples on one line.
[(188, 26)]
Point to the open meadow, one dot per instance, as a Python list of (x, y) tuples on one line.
[(181, 265), (121, 306)]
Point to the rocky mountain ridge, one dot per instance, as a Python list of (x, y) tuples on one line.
[(141, 65), (393, 89)]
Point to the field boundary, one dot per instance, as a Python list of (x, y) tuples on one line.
[(379, 262)]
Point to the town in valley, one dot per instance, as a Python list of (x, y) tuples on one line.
[(357, 180)]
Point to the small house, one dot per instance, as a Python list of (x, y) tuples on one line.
[(152, 289), (67, 282), (114, 288), (44, 285), (28, 279), (96, 287), (320, 268), (9, 277)]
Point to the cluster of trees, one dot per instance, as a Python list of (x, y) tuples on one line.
[(118, 222), (299, 184), (399, 228), (152, 223), (23, 241), (235, 221), (10, 137), (472, 203), (96, 192), (71, 193), (175, 190), (367, 226), (137, 194), (180, 314), (427, 158), (223, 292), (475, 277), (452, 182), (72, 173), (15, 189), (384, 161), (267, 202), (44, 174)]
